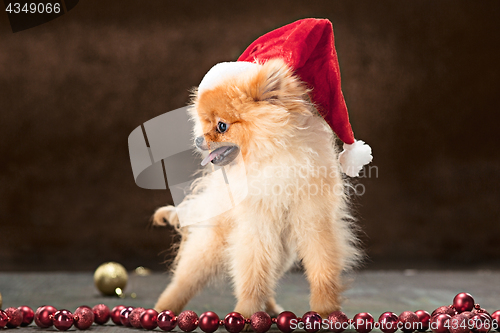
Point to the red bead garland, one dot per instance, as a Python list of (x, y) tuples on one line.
[(424, 319), (337, 321), (115, 314), (63, 320), (28, 315), (388, 322), (463, 302), (15, 317), (462, 317), (234, 322), (312, 322), (284, 321), (135, 317), (101, 314), (149, 319), (260, 322), (124, 316), (4, 319), (83, 317), (43, 316), (167, 320)]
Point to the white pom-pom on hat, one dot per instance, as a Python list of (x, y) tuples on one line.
[(354, 157)]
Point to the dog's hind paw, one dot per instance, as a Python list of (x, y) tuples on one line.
[(164, 215)]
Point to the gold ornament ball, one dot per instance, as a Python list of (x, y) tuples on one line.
[(0, 301), (111, 278)]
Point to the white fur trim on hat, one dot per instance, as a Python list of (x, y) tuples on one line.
[(354, 157), (223, 71)]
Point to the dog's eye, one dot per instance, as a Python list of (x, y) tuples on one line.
[(222, 127)]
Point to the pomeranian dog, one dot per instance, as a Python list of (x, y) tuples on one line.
[(296, 207)]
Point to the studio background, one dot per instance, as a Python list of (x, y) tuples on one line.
[(420, 79)]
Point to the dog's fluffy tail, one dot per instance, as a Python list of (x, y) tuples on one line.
[(164, 215)]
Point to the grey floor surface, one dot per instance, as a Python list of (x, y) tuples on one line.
[(371, 291)]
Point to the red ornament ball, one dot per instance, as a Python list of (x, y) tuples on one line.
[(4, 319), (101, 314), (124, 316), (481, 322), (408, 321), (28, 315), (363, 322), (449, 310), (388, 322), (63, 320), (284, 321), (83, 317), (15, 317), (423, 318), (135, 317), (115, 314), (149, 319), (208, 322), (167, 320), (496, 320), (440, 323), (187, 321), (312, 321), (43, 316), (459, 323), (260, 322), (234, 322), (338, 322), (463, 302)]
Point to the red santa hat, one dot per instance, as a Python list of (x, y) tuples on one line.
[(307, 46)]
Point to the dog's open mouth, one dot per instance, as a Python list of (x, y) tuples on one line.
[(222, 155)]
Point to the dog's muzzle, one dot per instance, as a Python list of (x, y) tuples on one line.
[(221, 153)]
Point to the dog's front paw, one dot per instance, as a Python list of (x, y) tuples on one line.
[(164, 215)]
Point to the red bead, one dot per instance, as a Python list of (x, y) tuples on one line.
[(463, 302), (440, 323), (363, 322), (101, 314), (83, 317), (388, 322), (234, 322), (209, 322), (15, 317), (286, 321), (135, 317), (423, 318), (28, 315), (115, 314), (63, 320), (312, 321), (124, 316), (481, 322), (459, 323), (338, 322), (167, 320), (408, 320), (43, 316), (149, 319), (187, 321), (496, 320), (444, 309), (4, 319), (260, 322)]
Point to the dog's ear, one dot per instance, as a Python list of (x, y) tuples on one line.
[(276, 83)]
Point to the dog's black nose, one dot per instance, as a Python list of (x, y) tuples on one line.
[(200, 143)]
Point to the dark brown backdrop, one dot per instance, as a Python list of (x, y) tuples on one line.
[(420, 79)]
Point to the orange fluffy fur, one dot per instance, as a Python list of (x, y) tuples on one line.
[(276, 127)]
